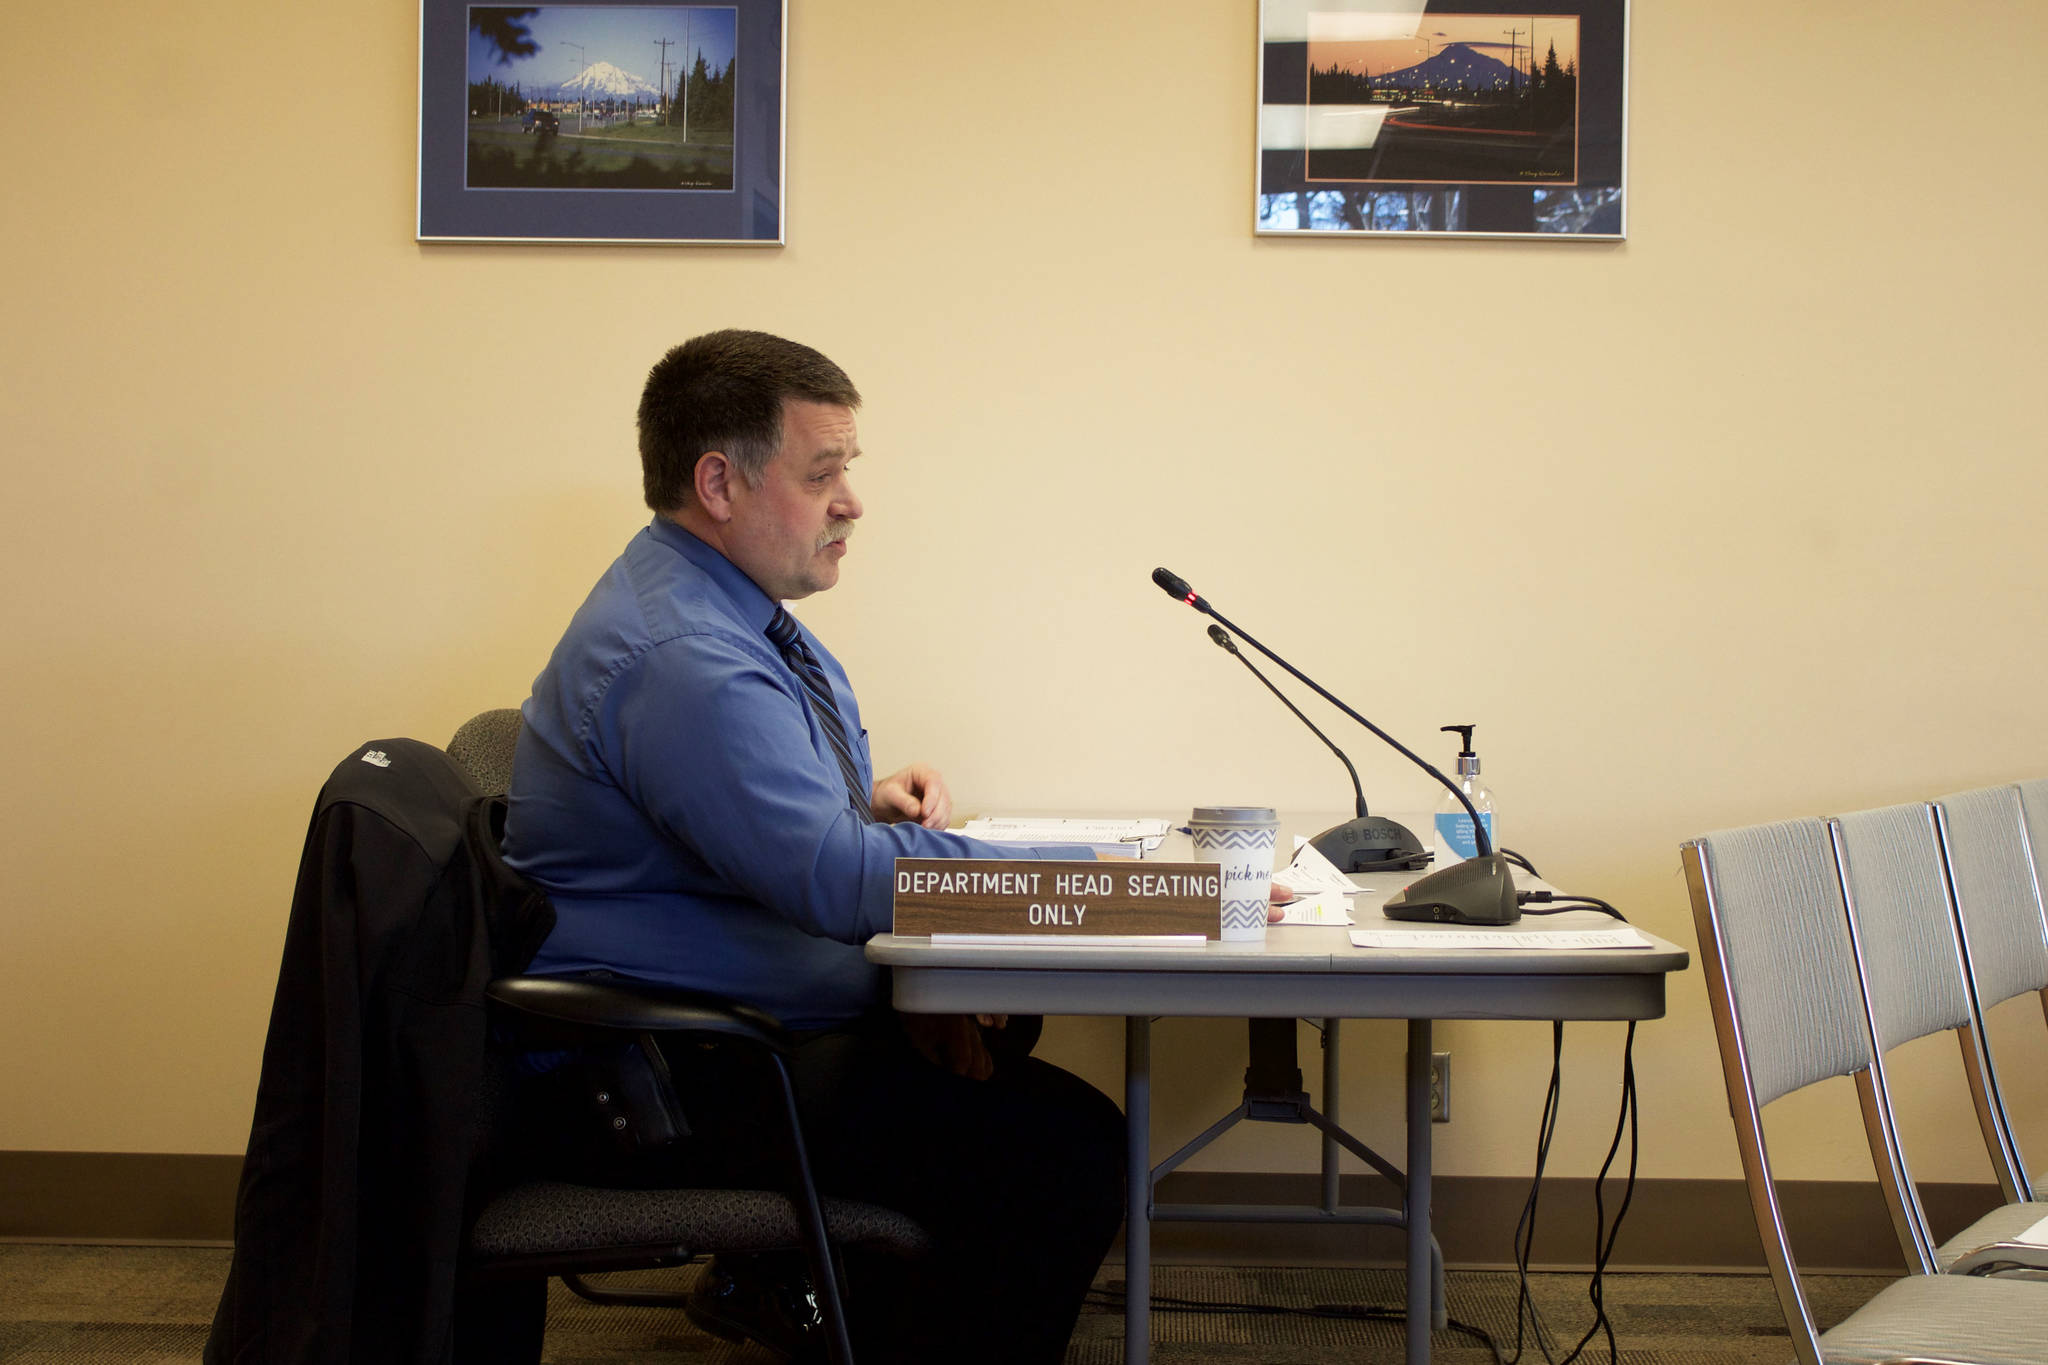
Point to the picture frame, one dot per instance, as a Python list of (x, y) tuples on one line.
[(1442, 118), (602, 121)]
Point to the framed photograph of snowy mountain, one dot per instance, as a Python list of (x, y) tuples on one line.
[(1443, 118), (587, 122)]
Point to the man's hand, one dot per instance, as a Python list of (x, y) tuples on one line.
[(1277, 898), (951, 1042), (916, 793)]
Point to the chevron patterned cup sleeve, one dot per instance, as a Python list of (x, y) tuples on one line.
[(1240, 840)]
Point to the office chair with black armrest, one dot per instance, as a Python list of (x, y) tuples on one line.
[(1781, 981), (544, 1227), (547, 1227)]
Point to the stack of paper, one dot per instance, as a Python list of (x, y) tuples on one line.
[(1104, 838), (1321, 890)]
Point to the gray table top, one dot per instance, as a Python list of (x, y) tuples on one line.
[(1298, 969)]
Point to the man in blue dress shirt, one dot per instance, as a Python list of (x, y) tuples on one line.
[(694, 791)]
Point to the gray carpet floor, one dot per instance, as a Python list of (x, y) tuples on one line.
[(69, 1305)]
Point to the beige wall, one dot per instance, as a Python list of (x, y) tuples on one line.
[(1736, 521)]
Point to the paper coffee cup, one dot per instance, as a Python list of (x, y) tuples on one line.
[(1239, 839)]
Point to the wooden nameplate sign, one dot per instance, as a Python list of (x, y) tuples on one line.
[(1008, 899)]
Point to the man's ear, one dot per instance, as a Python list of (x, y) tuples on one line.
[(713, 480)]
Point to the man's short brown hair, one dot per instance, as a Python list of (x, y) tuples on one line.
[(724, 391)]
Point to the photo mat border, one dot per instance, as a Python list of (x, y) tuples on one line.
[(1593, 207), (752, 213)]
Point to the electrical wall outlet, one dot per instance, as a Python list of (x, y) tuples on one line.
[(1439, 1087)]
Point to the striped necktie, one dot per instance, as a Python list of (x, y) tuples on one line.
[(782, 632)]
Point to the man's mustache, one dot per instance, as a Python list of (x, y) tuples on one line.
[(838, 530)]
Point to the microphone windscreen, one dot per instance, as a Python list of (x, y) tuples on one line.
[(1173, 584), (1222, 638)]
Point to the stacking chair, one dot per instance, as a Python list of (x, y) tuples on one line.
[(1781, 980), (1909, 963), (1994, 877)]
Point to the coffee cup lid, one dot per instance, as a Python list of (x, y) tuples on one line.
[(1234, 815)]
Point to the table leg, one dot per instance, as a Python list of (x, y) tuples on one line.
[(1418, 1192), (1327, 1102), (1138, 1188)]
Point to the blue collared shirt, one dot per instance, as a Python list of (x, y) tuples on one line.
[(677, 801)]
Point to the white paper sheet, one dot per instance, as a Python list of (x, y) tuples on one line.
[(1311, 874), (1514, 940), (1103, 834), (1071, 940), (1327, 908)]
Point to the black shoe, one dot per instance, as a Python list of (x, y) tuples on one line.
[(767, 1300)]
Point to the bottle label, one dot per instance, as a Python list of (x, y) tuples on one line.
[(1454, 841)]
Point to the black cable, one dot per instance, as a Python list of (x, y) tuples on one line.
[(1604, 1237), (1519, 861), (1565, 902), (1525, 1226)]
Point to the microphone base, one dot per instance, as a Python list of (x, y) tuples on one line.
[(1372, 843), (1476, 891)]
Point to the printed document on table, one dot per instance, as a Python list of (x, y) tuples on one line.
[(1311, 874), (1516, 940), (1327, 908), (1115, 838), (1321, 890)]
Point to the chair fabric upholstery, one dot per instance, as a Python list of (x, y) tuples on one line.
[(2000, 1225), (2034, 812), (1913, 966), (483, 746), (1774, 899), (550, 1218), (1994, 880), (1797, 1006), (1950, 1317), (1911, 959)]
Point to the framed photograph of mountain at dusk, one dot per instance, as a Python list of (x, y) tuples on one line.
[(584, 122), (1443, 118)]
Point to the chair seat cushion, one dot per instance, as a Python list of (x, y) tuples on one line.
[(1999, 1225), (1950, 1317), (547, 1217)]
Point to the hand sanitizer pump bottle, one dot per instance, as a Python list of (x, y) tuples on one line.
[(1454, 839)]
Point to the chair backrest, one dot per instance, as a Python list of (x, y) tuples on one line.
[(2034, 812), (1781, 980), (1905, 935), (1911, 964), (1790, 971), (484, 746), (2005, 940)]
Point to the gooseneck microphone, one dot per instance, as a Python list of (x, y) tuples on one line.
[(1480, 890), (1369, 843)]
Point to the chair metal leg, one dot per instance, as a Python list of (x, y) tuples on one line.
[(625, 1298), (823, 1264)]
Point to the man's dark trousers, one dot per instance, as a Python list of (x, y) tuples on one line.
[(1018, 1178)]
